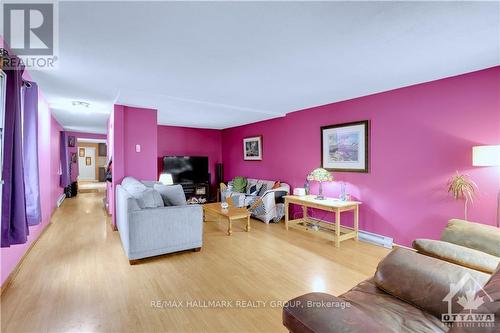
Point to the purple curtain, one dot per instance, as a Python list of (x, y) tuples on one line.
[(14, 222), (65, 176), (30, 145)]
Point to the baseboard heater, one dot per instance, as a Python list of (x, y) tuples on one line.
[(61, 199), (376, 239), (367, 236)]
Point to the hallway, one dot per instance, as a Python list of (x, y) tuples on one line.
[(78, 279)]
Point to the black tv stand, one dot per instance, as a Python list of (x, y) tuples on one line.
[(196, 190)]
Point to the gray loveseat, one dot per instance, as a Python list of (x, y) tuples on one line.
[(148, 227), (267, 204)]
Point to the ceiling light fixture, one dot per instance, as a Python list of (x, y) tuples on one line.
[(80, 104)]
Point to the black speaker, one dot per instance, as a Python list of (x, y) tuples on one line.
[(219, 173)]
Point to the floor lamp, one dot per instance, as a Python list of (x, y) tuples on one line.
[(488, 156)]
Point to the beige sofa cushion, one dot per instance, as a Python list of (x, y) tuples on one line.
[(457, 254), (476, 236)]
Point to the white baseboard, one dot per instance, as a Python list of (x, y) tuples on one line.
[(61, 199)]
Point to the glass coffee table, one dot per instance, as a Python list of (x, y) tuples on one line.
[(230, 214)]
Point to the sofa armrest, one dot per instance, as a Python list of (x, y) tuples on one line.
[(284, 188), (457, 254), (153, 228), (424, 281), (320, 312)]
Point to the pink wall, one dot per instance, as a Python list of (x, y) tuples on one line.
[(419, 136), (110, 196), (80, 135), (128, 127), (48, 152), (173, 140), (140, 129)]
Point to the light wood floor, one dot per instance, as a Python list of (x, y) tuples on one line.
[(77, 278)]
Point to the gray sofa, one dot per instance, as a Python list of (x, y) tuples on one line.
[(148, 227)]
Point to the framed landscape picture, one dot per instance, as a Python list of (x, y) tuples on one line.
[(344, 147), (252, 148)]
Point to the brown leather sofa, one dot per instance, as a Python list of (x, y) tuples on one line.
[(407, 294)]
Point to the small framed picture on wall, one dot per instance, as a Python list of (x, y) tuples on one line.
[(71, 141), (345, 147), (81, 152), (88, 160), (73, 157), (252, 148)]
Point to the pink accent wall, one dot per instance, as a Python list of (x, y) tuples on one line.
[(140, 128), (48, 152), (420, 135), (110, 196), (80, 135), (128, 127), (174, 140)]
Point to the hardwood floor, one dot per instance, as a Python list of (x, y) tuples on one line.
[(78, 279)]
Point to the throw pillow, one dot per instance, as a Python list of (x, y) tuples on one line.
[(131, 182), (253, 190), (253, 186), (258, 208), (146, 198), (262, 190), (172, 195), (276, 185)]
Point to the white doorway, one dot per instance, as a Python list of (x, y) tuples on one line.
[(87, 163)]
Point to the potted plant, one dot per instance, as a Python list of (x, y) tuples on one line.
[(462, 187)]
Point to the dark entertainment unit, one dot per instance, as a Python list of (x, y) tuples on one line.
[(191, 172)]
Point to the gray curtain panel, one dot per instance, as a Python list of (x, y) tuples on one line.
[(30, 151), (14, 222)]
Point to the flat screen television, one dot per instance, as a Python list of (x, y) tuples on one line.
[(186, 169)]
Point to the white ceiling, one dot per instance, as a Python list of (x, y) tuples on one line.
[(222, 64)]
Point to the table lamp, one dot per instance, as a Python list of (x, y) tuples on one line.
[(320, 175), (166, 179), (488, 156)]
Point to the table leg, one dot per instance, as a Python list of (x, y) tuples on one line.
[(248, 223), (337, 228), (304, 215), (286, 214), (229, 227), (356, 222)]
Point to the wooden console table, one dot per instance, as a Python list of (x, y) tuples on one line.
[(336, 206)]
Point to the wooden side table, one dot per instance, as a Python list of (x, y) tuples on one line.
[(340, 233)]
